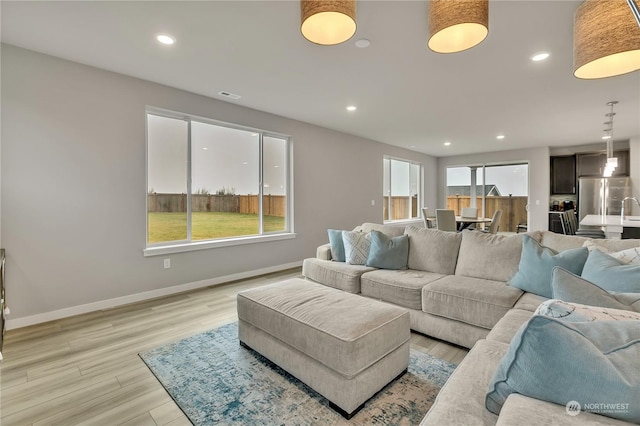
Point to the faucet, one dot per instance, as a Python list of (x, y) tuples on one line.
[(625, 199)]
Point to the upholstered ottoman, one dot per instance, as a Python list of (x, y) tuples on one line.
[(345, 347)]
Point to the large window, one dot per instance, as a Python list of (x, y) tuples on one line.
[(489, 188), (401, 189), (213, 181)]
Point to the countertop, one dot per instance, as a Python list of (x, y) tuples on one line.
[(610, 220)]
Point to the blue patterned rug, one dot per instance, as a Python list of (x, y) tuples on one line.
[(216, 381)]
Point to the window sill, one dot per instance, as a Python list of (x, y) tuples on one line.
[(204, 245), (405, 222)]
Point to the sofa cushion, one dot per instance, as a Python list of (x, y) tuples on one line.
[(403, 288), (560, 242), (489, 256), (338, 275), (388, 252), (461, 400), (611, 274), (524, 411), (433, 250), (593, 363), (471, 300), (356, 247), (509, 325), (536, 263), (336, 244), (572, 288), (529, 302)]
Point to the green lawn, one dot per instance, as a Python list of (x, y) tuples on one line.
[(206, 225)]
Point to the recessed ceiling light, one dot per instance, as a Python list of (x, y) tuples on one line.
[(540, 56), (245, 162), (229, 95), (605, 137), (363, 43), (276, 166), (447, 143), (351, 108), (500, 137), (205, 148), (165, 39)]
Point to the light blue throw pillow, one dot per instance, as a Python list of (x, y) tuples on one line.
[(388, 253), (572, 288), (337, 245), (611, 274), (356, 247), (592, 363), (537, 262)]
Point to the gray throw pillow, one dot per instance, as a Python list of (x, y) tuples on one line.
[(572, 288)]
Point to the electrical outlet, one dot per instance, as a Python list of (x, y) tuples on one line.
[(373, 202), (167, 263)]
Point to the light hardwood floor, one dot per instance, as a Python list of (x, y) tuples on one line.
[(86, 369)]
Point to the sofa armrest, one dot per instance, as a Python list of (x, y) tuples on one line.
[(324, 252)]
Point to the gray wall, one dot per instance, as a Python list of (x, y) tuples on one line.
[(538, 160), (73, 185)]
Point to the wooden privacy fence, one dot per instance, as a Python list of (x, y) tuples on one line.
[(272, 205), (514, 210), (400, 207)]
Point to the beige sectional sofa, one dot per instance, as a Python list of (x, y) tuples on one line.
[(456, 289)]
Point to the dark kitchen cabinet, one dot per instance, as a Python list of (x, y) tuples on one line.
[(563, 174), (592, 164)]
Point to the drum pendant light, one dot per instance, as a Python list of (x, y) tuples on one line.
[(328, 22), (457, 25), (606, 39)]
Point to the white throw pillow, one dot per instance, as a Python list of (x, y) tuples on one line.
[(356, 247), (575, 312), (629, 256)]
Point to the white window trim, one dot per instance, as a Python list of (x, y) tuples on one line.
[(186, 245), (412, 220), (210, 244)]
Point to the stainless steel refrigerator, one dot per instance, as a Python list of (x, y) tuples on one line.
[(602, 195)]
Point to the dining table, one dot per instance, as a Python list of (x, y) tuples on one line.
[(464, 222)]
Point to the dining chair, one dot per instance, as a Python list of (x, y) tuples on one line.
[(495, 223), (469, 212), (446, 220), (428, 223), (570, 224)]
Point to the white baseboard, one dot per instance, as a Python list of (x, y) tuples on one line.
[(139, 297)]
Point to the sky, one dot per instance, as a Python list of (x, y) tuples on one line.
[(512, 179), (227, 158), (222, 158)]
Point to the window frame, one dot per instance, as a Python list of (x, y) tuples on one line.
[(178, 246), (420, 189)]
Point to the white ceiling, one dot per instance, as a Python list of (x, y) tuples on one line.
[(406, 95)]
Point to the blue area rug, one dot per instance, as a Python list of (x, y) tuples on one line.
[(216, 381)]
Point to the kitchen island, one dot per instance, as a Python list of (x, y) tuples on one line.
[(613, 226)]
